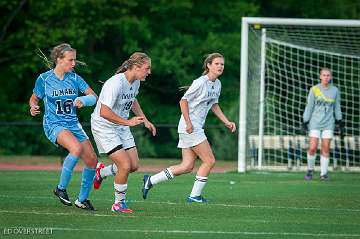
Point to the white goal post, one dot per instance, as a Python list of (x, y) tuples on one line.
[(280, 61)]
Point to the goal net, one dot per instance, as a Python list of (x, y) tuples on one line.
[(281, 62)]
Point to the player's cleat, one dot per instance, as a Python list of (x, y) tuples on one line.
[(98, 179), (84, 205), (309, 175), (147, 186), (121, 207), (63, 196), (324, 177), (199, 199)]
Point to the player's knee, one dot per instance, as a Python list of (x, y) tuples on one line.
[(134, 168), (211, 163), (92, 161), (124, 167), (312, 150), (325, 152), (76, 149), (187, 168)]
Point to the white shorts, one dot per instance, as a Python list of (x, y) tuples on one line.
[(321, 134), (191, 140), (108, 137)]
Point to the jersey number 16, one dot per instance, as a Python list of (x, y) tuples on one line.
[(66, 107)]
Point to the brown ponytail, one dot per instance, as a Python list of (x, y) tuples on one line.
[(136, 59), (57, 52)]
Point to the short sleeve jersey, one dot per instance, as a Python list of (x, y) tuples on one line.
[(201, 96), (59, 95), (117, 94)]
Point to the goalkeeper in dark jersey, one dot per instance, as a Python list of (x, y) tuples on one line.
[(321, 114)]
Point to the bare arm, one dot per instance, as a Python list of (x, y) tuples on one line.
[(218, 112), (137, 109), (184, 107), (34, 105), (90, 91), (138, 112), (109, 115)]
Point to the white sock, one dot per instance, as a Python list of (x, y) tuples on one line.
[(324, 163), (164, 175), (199, 184), (109, 170), (120, 192), (311, 161)]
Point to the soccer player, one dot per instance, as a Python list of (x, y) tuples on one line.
[(59, 88), (110, 125), (321, 113), (200, 97)]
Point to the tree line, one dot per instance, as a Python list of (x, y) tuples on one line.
[(176, 34)]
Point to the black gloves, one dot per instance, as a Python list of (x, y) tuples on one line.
[(305, 126), (341, 126)]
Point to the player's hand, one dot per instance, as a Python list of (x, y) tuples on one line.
[(189, 127), (305, 126), (341, 126), (78, 103), (150, 127), (34, 110), (231, 126), (135, 120)]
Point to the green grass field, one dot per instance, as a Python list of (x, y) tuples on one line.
[(253, 205)]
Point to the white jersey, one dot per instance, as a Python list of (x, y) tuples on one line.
[(118, 94), (201, 96)]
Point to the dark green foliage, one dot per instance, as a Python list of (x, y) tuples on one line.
[(176, 34)]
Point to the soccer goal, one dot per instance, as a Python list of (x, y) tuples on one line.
[(280, 61)]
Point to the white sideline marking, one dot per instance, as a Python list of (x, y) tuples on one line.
[(207, 204), (84, 214), (264, 206), (293, 208), (209, 232), (136, 216), (114, 215), (56, 213)]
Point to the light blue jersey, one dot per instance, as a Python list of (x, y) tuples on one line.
[(323, 107), (59, 96)]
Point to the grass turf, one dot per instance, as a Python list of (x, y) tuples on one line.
[(251, 205)]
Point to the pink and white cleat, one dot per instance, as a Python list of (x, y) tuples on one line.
[(121, 207), (98, 179)]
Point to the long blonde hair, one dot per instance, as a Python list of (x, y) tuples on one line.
[(136, 59)]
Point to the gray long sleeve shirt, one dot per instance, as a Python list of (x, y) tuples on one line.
[(323, 104)]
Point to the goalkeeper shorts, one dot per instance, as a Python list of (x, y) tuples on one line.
[(321, 134)]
